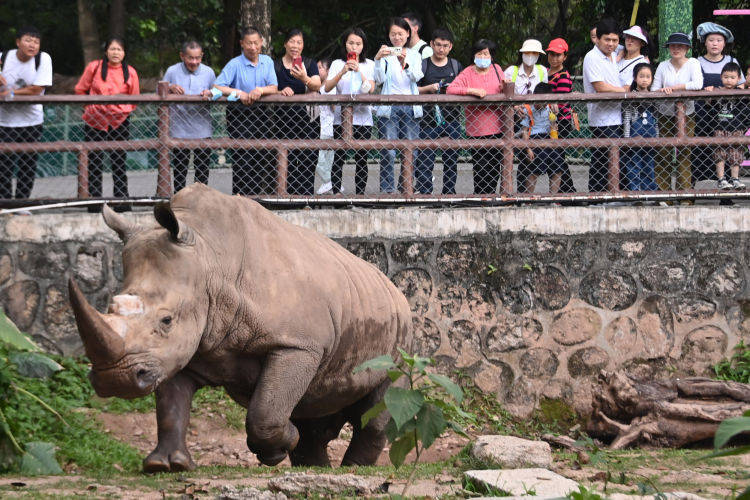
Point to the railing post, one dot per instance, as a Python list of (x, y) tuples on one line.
[(83, 173), (507, 177), (407, 171), (164, 175), (282, 167), (614, 169), (347, 122), (681, 119)]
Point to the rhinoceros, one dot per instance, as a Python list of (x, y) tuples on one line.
[(222, 292)]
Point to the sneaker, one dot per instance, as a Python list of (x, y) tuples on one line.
[(325, 188), (723, 184), (737, 184)]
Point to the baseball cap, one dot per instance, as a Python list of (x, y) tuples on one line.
[(557, 45)]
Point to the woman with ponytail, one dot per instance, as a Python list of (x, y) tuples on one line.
[(110, 75)]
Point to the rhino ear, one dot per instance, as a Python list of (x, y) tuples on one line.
[(179, 232), (119, 224)]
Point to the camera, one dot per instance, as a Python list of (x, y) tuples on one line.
[(442, 85), (396, 51)]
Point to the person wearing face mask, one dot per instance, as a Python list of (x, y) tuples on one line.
[(526, 77), (486, 122)]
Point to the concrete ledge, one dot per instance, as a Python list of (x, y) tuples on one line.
[(427, 223)]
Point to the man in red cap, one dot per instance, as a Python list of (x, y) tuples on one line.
[(561, 82)]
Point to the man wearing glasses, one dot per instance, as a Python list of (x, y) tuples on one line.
[(438, 121)]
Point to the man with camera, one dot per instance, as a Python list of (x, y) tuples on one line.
[(438, 121)]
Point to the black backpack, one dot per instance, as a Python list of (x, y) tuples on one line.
[(37, 59)]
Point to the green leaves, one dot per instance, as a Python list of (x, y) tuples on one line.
[(12, 336), (403, 404), (430, 424), (384, 362), (400, 448), (39, 459), (450, 386), (373, 412), (730, 428)]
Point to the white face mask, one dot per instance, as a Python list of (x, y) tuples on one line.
[(530, 59)]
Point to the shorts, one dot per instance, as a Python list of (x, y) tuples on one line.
[(732, 155), (546, 160)]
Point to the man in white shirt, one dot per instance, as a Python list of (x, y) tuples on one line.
[(600, 75), (416, 43), (23, 71)]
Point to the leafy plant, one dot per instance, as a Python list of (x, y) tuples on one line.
[(420, 413), (737, 367), (728, 429), (20, 357), (584, 494)]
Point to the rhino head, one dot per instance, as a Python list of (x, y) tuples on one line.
[(154, 326)]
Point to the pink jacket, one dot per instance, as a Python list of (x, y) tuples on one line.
[(480, 120)]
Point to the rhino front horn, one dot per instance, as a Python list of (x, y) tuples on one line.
[(103, 345)]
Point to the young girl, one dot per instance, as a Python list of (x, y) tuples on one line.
[(562, 83), (325, 156), (639, 120)]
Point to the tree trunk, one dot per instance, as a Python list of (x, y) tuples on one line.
[(87, 32), (117, 19), (228, 30), (257, 13), (669, 413)]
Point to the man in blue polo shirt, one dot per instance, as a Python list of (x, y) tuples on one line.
[(248, 77), (190, 121)]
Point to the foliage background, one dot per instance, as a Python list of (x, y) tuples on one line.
[(154, 29)]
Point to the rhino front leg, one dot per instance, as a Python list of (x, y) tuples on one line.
[(284, 379), (173, 399)]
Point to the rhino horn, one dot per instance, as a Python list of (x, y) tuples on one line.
[(103, 345), (119, 224), (179, 232)]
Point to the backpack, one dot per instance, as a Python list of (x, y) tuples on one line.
[(37, 60), (538, 67)]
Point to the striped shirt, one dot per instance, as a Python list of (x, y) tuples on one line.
[(563, 84)]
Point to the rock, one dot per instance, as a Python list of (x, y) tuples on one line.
[(416, 285), (587, 361), (43, 261), (464, 339), (622, 336), (495, 378), (299, 483), (450, 298), (511, 332), (230, 492), (20, 301), (609, 289), (673, 495), (410, 252), (722, 276), (664, 277), (539, 363), (6, 268), (455, 259), (575, 326), (550, 287), (511, 452), (655, 327), (542, 482), (374, 253), (692, 308), (89, 268), (59, 322), (426, 337)]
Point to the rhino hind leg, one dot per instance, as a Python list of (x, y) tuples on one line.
[(173, 399), (367, 442), (314, 436)]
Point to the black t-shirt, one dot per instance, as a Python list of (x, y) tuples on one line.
[(285, 78), (732, 115), (437, 74)]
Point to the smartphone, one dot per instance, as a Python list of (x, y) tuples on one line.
[(297, 61), (352, 56)]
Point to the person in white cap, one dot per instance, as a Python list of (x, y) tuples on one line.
[(637, 47)]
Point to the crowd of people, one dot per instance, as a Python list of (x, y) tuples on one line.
[(405, 65)]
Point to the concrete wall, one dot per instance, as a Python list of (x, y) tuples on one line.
[(532, 302)]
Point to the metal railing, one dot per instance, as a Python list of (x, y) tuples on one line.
[(289, 143)]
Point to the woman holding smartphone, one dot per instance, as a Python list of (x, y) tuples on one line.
[(297, 75), (110, 75), (398, 69), (352, 74)]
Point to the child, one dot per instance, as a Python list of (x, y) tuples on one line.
[(562, 83), (732, 120), (639, 120), (327, 112), (539, 124)]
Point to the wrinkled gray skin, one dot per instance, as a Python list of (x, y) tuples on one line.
[(224, 293)]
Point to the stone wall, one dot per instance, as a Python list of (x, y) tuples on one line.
[(529, 312)]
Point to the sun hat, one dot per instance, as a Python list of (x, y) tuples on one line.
[(557, 45), (532, 45), (636, 32), (709, 28), (678, 39)]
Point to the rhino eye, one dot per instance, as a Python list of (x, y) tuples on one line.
[(166, 320)]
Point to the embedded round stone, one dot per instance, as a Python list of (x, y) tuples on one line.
[(705, 343), (687, 309), (450, 299), (609, 289), (575, 326), (456, 259), (550, 250), (664, 277), (426, 337), (6, 268), (20, 302), (587, 361), (721, 275), (464, 339), (622, 335), (582, 256), (43, 261), (416, 285), (550, 288), (374, 253), (510, 333), (59, 322), (495, 378), (539, 363), (655, 326), (411, 252), (89, 268), (627, 251)]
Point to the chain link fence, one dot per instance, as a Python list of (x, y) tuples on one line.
[(502, 148)]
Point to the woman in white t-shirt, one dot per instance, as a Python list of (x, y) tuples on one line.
[(352, 74), (398, 69), (636, 51)]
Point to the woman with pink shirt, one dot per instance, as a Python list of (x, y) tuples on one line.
[(480, 79)]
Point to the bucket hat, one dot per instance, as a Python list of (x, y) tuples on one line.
[(678, 39), (636, 32), (709, 28), (532, 45)]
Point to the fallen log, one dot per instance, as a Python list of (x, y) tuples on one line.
[(664, 413)]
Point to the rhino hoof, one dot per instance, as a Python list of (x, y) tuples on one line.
[(156, 463), (180, 461), (177, 461)]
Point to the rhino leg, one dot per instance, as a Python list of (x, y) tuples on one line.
[(173, 399), (314, 436), (367, 442), (283, 381)]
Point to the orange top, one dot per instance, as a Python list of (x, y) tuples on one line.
[(107, 116)]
